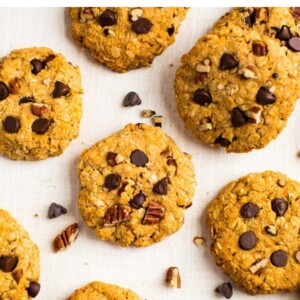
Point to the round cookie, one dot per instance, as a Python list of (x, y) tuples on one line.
[(135, 186), (237, 87), (40, 104), (103, 291), (124, 38), (254, 225), (19, 261)]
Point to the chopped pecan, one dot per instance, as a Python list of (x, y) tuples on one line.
[(66, 238), (253, 115), (258, 266), (154, 214), (86, 14), (261, 14), (115, 214), (39, 109), (173, 278), (17, 275)]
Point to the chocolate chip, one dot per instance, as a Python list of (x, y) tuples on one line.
[(8, 263), (228, 61), (275, 75), (161, 187), (26, 100), (41, 125), (55, 210), (112, 181), (223, 142), (249, 210), (265, 97), (259, 49), (279, 206), (138, 200), (294, 44), (279, 258), (60, 89), (225, 289), (202, 97), (111, 158), (284, 33), (11, 124), (4, 92), (171, 30), (33, 289), (49, 58), (107, 18), (132, 99), (250, 20), (141, 26), (138, 158), (37, 66), (238, 117), (247, 240)]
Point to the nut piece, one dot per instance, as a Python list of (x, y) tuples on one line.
[(39, 109), (258, 266), (115, 214), (199, 241), (271, 229), (86, 14), (297, 256), (254, 115), (204, 66), (259, 49), (135, 14), (66, 238), (119, 158), (17, 275), (157, 121), (173, 278), (205, 124), (148, 113), (281, 182), (261, 14), (154, 214), (108, 31), (247, 72)]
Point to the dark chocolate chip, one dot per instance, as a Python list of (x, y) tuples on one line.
[(138, 158), (33, 289), (223, 142), (8, 263), (111, 158), (247, 240), (138, 200), (26, 100), (294, 44), (107, 18), (41, 125), (284, 33), (250, 19), (60, 89), (48, 59), (112, 181), (161, 187), (275, 75), (238, 117), (228, 61), (132, 99), (55, 210), (202, 97), (259, 49), (37, 66), (279, 258), (225, 289), (171, 30), (11, 124), (141, 26), (4, 92), (265, 97), (249, 210), (279, 206)]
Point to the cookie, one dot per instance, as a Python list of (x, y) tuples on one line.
[(237, 86), (254, 224), (19, 261), (40, 103), (135, 186), (103, 291), (126, 38)]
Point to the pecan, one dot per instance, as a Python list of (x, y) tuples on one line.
[(66, 238), (154, 214), (86, 14), (261, 14), (247, 72), (258, 266), (108, 31), (39, 109), (135, 14), (201, 76), (17, 275), (204, 66), (253, 115), (173, 278), (281, 182), (115, 214), (295, 11), (166, 153), (205, 124), (259, 49), (271, 229), (14, 86), (199, 241), (157, 121)]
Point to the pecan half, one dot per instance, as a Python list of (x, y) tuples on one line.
[(115, 214), (173, 278), (66, 238), (154, 214)]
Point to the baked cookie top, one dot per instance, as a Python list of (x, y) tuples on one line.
[(19, 261), (126, 38), (135, 186), (254, 225), (40, 103)]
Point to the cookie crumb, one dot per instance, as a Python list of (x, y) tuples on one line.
[(148, 113), (199, 241), (157, 121), (36, 215)]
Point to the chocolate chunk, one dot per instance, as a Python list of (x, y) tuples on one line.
[(55, 210), (161, 187), (138, 158), (112, 181), (26, 100), (249, 210), (11, 124), (250, 20), (60, 89), (284, 33), (247, 240), (132, 99), (171, 30), (228, 61), (138, 200), (141, 26), (279, 206), (279, 258), (294, 44), (202, 97), (259, 49), (37, 66), (8, 263), (33, 289), (111, 158), (107, 18), (4, 92), (41, 125), (238, 117), (223, 142), (225, 289), (265, 97)]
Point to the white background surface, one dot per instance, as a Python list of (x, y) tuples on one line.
[(29, 187)]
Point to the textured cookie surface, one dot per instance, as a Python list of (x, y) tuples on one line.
[(126, 38), (103, 291), (135, 186), (19, 261), (254, 224), (40, 103), (238, 85)]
